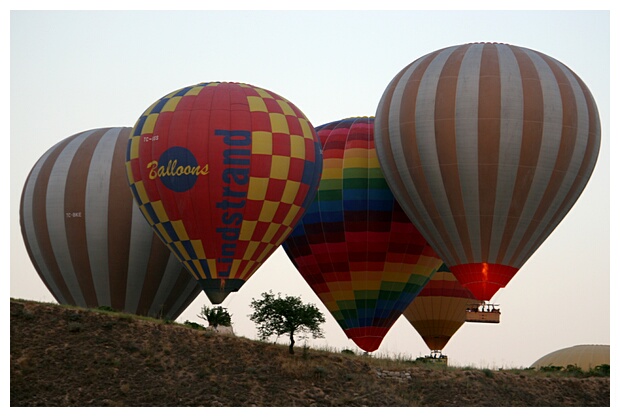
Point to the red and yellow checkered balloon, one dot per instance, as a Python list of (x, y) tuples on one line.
[(223, 172)]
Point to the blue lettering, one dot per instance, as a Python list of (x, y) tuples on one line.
[(229, 153), (229, 135), (232, 218), (240, 176), (228, 249), (236, 158)]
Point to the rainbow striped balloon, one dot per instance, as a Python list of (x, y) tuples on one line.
[(355, 246)]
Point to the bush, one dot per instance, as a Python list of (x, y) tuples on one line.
[(600, 370), (574, 370), (551, 368), (319, 372), (195, 326), (75, 327), (216, 316)]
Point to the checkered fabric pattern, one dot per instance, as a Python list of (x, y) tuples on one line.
[(263, 160), (355, 246)]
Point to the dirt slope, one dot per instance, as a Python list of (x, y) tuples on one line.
[(73, 357)]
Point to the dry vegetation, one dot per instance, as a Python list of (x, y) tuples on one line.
[(62, 356)]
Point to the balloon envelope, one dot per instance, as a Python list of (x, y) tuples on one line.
[(487, 147), (355, 246), (223, 172), (438, 311), (87, 238)]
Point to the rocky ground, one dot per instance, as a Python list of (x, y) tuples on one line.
[(63, 356)]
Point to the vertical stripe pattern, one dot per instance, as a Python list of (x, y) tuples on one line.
[(86, 237), (487, 147), (438, 312)]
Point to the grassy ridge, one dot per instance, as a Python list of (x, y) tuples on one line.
[(65, 356)]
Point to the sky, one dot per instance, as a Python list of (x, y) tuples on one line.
[(72, 71)]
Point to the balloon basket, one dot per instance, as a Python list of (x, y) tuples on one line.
[(482, 313), (436, 358)]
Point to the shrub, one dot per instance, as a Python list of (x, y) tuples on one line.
[(319, 372), (75, 327), (574, 370), (127, 318), (71, 315), (108, 325), (216, 316), (195, 326), (600, 370), (551, 368)]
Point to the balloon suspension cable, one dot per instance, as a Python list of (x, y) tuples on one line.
[(436, 354), (483, 307), (226, 302)]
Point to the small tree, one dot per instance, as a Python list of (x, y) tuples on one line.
[(216, 316), (286, 316)]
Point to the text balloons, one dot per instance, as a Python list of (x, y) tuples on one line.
[(438, 311), (223, 172), (355, 246), (487, 147), (87, 238)]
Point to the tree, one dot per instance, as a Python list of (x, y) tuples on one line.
[(289, 315), (216, 316)]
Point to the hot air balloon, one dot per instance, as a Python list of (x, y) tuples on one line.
[(487, 147), (355, 246), (223, 172), (439, 309), (88, 240)]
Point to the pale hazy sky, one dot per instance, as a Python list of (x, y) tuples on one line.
[(74, 71)]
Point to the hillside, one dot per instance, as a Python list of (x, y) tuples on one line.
[(63, 356)]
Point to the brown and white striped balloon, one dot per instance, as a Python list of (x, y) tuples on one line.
[(438, 311), (86, 237), (487, 147)]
